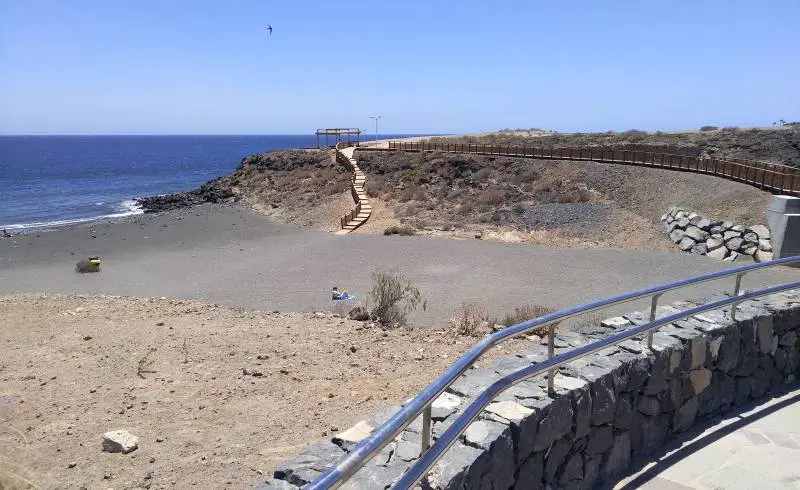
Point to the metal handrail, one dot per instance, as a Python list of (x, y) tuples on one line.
[(384, 434), (449, 437)]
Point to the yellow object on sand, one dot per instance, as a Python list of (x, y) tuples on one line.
[(94, 264)]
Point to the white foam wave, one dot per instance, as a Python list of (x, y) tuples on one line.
[(126, 208)]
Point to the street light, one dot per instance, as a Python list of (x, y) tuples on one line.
[(376, 126)]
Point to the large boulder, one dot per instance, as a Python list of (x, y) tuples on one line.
[(677, 235), (714, 243), (765, 245), (718, 253), (686, 244), (762, 256), (760, 230), (704, 224), (734, 243), (731, 234), (696, 234), (749, 249)]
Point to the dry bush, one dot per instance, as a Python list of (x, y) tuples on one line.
[(587, 323), (493, 197), (469, 319), (145, 363), (393, 297), (525, 313), (483, 175), (525, 176), (575, 195), (466, 208), (412, 209), (337, 187), (399, 230), (455, 194), (406, 195)]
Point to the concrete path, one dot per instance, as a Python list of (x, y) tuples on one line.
[(756, 448)]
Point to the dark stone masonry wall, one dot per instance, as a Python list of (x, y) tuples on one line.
[(610, 407)]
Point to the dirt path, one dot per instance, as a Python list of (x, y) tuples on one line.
[(69, 373)]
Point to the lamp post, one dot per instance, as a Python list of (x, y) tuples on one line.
[(376, 126)]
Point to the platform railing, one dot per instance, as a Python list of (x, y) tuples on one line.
[(421, 404), (772, 177)]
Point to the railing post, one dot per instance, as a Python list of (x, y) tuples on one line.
[(736, 290), (551, 351), (426, 429), (653, 306)]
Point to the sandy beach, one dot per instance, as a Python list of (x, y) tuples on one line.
[(229, 255)]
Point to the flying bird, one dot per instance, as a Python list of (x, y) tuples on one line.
[(269, 29)]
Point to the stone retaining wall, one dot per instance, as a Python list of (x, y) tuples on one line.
[(623, 402), (721, 240)]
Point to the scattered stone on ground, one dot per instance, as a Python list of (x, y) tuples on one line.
[(119, 441), (204, 408)]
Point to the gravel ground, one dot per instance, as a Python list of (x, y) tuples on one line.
[(232, 256), (68, 374)]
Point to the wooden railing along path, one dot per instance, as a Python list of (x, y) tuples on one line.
[(771, 177), (361, 213)]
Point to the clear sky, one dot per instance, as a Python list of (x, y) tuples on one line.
[(209, 66)]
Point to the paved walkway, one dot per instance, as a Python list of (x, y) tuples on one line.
[(757, 448)]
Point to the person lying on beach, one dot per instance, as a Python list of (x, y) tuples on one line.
[(340, 296)]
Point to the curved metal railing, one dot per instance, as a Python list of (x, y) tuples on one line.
[(421, 404)]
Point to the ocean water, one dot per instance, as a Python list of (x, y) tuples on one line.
[(48, 181)]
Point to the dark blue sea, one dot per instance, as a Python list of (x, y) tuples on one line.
[(48, 181)]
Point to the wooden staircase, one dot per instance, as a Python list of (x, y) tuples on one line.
[(363, 209)]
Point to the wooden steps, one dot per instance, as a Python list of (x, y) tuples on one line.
[(362, 203)]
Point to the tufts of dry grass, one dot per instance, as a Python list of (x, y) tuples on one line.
[(469, 320)]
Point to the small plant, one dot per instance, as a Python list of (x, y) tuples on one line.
[(469, 319), (399, 230), (185, 352), (524, 313), (394, 297), (493, 197), (145, 363), (587, 323)]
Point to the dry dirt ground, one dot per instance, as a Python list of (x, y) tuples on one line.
[(69, 374), (558, 203)]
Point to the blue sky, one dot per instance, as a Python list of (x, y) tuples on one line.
[(203, 66)]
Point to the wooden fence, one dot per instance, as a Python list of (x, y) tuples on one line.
[(771, 177), (346, 162)]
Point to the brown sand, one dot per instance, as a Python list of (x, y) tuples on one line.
[(69, 374)]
